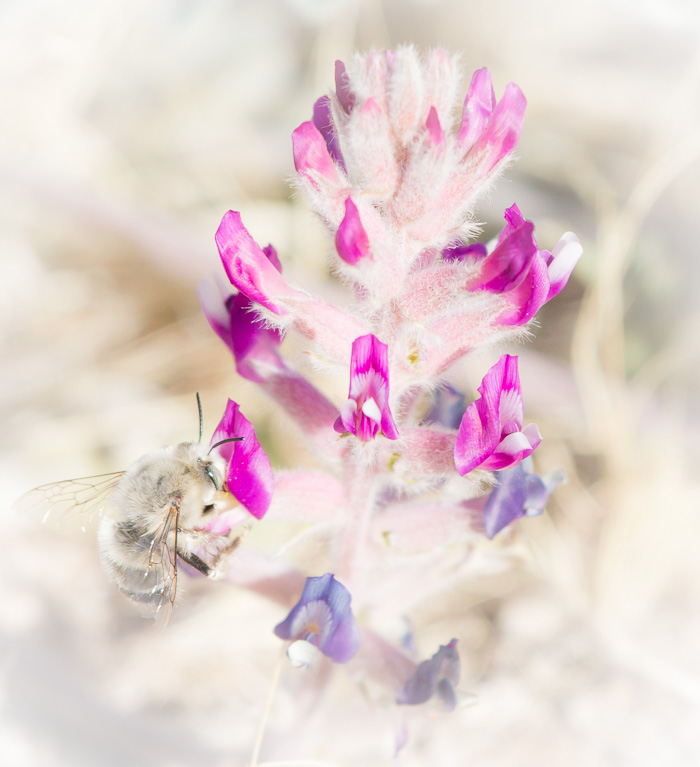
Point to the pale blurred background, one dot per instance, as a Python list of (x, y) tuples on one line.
[(128, 129)]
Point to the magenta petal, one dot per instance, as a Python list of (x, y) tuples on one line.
[(249, 474), (478, 106), (507, 265), (351, 240), (510, 451), (529, 296), (311, 153), (478, 434), (251, 342), (246, 264), (503, 128)]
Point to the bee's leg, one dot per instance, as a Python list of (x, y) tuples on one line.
[(219, 560), (195, 561)]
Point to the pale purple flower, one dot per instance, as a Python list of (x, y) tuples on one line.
[(248, 472), (491, 434), (323, 617), (323, 120), (366, 413), (436, 677), (518, 493)]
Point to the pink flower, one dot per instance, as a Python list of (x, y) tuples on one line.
[(366, 412), (491, 434), (234, 319), (248, 472), (546, 277), (248, 267), (490, 131)]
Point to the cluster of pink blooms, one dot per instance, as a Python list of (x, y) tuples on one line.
[(394, 178)]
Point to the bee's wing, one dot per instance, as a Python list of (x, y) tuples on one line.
[(69, 501), (155, 588)]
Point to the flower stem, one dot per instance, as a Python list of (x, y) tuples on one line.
[(266, 710)]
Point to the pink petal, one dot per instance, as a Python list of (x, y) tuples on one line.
[(351, 240), (478, 106), (247, 266), (434, 129), (311, 156), (249, 474)]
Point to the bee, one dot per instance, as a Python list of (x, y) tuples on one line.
[(151, 515)]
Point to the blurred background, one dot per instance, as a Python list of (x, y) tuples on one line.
[(128, 129)]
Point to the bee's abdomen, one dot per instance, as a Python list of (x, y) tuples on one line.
[(130, 564)]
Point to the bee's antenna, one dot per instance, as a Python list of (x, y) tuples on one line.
[(224, 441), (199, 408)]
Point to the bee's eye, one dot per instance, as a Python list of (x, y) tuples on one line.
[(213, 475)]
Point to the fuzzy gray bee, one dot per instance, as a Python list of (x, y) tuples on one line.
[(150, 515)]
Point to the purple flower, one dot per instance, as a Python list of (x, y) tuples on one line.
[(323, 617), (366, 412), (518, 493), (491, 434), (248, 474), (435, 677)]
